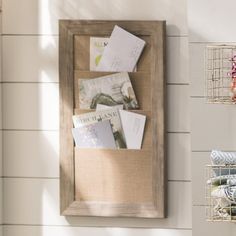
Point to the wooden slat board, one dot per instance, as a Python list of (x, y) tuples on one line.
[(107, 182)]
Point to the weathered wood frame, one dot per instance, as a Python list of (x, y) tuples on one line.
[(68, 29)]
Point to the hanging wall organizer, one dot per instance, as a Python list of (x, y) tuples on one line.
[(108, 182)]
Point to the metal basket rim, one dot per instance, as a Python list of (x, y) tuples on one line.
[(220, 45)]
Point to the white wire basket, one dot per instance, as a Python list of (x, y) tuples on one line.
[(219, 76), (221, 193)]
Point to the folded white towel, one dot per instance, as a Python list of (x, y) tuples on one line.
[(225, 192), (222, 180), (223, 158)]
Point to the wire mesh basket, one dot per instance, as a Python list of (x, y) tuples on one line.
[(221, 193), (220, 73)]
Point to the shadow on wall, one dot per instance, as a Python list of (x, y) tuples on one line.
[(49, 11)]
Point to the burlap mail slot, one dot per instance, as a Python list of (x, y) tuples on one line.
[(122, 176)]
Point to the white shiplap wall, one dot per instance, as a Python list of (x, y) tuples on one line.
[(30, 117), (212, 126), (1, 151)]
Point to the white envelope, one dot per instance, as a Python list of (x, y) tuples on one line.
[(122, 52), (133, 126), (97, 135)]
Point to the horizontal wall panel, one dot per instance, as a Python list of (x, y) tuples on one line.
[(211, 21), (177, 60), (199, 177), (1, 201), (1, 186), (1, 153), (196, 68), (35, 58), (179, 156), (85, 231), (1, 104), (41, 53), (1, 140), (36, 201), (202, 227), (212, 126), (40, 150), (178, 114), (35, 153), (36, 106), (42, 18), (30, 106), (1, 39)]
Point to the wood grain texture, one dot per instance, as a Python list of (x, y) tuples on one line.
[(81, 190), (158, 119), (66, 111)]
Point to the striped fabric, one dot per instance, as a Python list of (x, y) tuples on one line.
[(223, 158), (222, 180)]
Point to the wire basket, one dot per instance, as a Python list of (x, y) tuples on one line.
[(221, 193), (219, 73)]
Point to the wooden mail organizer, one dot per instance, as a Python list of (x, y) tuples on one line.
[(113, 182)]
